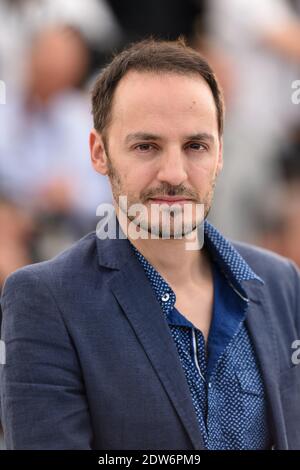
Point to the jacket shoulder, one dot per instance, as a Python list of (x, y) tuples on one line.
[(279, 273), (65, 266), (261, 260)]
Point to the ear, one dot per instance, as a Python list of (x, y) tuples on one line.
[(98, 153), (220, 157)]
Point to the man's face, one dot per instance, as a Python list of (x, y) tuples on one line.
[(162, 148)]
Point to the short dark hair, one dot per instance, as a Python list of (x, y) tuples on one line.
[(151, 56)]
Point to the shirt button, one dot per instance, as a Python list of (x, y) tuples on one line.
[(209, 384), (165, 297)]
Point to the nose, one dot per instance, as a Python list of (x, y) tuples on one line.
[(172, 167)]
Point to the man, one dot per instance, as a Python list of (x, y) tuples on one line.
[(137, 340)]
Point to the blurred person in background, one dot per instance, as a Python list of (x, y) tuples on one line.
[(22, 20), (258, 57), (278, 221), (278, 216), (15, 235), (44, 165)]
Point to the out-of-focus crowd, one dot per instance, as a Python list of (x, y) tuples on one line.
[(50, 50)]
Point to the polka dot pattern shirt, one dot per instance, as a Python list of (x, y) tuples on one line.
[(223, 376)]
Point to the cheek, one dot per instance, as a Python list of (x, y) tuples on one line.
[(134, 181), (201, 179), (203, 168), (201, 175), (139, 175)]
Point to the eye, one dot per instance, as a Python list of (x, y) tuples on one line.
[(197, 146), (144, 147)]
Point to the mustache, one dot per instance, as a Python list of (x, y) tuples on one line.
[(167, 189)]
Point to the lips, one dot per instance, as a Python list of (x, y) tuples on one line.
[(171, 200)]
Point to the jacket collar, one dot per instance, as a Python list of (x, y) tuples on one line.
[(229, 259)]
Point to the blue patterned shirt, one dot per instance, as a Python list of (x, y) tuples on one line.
[(224, 377)]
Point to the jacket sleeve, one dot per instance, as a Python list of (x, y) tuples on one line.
[(43, 402)]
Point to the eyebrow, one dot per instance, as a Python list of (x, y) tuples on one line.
[(147, 136), (141, 136), (201, 136)]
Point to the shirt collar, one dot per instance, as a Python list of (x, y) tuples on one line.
[(228, 259), (231, 263)]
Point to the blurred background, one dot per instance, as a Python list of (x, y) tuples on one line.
[(50, 52)]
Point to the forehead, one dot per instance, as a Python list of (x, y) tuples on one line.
[(156, 101)]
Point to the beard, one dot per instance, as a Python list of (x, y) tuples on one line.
[(174, 221)]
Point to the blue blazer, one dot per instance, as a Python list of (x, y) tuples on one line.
[(91, 363)]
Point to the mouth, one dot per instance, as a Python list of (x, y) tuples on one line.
[(170, 200)]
